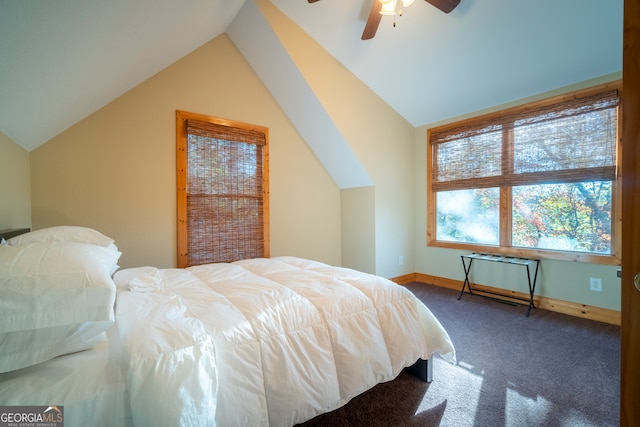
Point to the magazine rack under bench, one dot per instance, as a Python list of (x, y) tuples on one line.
[(526, 262)]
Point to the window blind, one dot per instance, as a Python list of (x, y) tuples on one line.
[(571, 141), (224, 193)]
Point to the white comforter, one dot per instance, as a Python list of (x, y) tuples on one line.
[(264, 341)]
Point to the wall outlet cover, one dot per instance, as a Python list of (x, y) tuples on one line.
[(595, 284)]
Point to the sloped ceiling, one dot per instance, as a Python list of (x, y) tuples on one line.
[(61, 60)]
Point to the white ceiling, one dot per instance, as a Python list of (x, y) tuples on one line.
[(61, 60)]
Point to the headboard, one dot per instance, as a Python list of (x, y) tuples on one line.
[(12, 232)]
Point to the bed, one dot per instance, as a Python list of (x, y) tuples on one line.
[(256, 342)]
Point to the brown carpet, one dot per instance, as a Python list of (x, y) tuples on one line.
[(547, 369)]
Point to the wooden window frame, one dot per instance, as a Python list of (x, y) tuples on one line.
[(504, 247), (182, 118)]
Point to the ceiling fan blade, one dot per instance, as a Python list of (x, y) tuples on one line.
[(373, 21), (444, 5), (312, 1)]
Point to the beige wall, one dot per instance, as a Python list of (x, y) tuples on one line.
[(381, 140), (15, 193), (567, 281), (115, 170), (358, 228)]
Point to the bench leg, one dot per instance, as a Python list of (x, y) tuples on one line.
[(466, 282)]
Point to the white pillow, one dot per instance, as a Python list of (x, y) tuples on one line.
[(55, 298), (64, 233)]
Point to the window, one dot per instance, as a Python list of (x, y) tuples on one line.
[(222, 184), (537, 180)]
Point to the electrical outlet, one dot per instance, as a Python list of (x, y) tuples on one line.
[(401, 260), (595, 284)]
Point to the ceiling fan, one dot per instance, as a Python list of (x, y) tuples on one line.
[(390, 7)]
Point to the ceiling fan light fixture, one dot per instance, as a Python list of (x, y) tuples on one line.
[(388, 7), (394, 7)]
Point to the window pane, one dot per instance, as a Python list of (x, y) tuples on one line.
[(475, 156), (226, 228), (570, 217), (584, 141), (224, 214), (470, 216), (218, 166)]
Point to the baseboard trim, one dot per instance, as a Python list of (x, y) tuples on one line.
[(407, 278), (566, 307)]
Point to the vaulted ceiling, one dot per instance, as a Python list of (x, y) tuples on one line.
[(62, 60)]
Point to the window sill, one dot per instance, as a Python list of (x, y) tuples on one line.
[(541, 254)]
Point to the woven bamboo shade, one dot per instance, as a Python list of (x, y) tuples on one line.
[(225, 193), (572, 141)]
